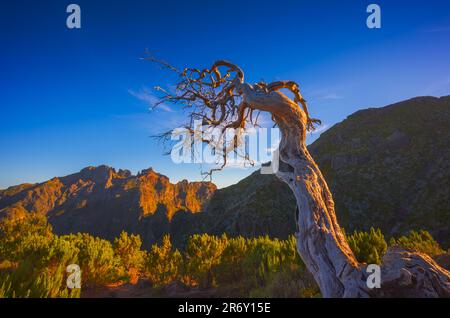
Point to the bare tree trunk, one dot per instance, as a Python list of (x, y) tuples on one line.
[(320, 241)]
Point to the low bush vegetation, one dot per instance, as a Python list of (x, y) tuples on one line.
[(421, 241), (368, 247), (33, 261)]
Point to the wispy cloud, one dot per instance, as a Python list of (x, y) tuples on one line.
[(146, 96), (330, 93)]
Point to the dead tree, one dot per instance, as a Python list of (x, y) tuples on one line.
[(220, 97)]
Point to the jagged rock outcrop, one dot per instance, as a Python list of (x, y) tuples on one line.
[(103, 201)]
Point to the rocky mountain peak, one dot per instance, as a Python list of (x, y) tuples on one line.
[(105, 201)]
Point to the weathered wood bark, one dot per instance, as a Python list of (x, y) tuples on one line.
[(320, 241)]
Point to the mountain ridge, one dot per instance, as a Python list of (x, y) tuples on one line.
[(103, 201), (387, 167)]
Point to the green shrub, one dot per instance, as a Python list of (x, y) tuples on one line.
[(96, 258), (33, 261), (163, 264), (203, 253), (16, 235), (46, 285), (231, 268), (248, 267), (292, 282), (267, 256), (49, 283), (41, 271), (128, 249), (368, 247), (6, 290), (421, 241)]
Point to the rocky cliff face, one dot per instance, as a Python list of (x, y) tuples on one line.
[(103, 201)]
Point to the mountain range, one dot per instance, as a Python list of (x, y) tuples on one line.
[(387, 167), (103, 202)]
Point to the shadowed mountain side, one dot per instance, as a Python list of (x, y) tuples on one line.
[(390, 167), (387, 167)]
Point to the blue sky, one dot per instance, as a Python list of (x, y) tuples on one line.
[(73, 98)]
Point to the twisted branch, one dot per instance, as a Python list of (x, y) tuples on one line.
[(216, 96)]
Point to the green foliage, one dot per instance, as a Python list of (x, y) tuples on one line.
[(37, 259), (49, 283), (419, 241), (368, 247), (6, 289), (96, 258), (33, 261), (17, 234), (266, 256), (246, 267), (163, 264), (231, 268), (128, 249), (292, 282), (203, 253)]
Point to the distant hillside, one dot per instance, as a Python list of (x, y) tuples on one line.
[(103, 202), (390, 166), (387, 167)]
